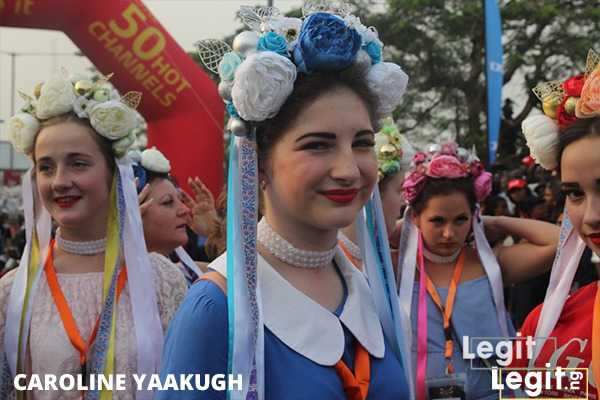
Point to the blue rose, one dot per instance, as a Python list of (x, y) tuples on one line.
[(231, 110), (373, 49), (228, 65), (326, 43), (271, 41)]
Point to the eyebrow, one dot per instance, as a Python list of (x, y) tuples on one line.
[(569, 185), (319, 135), (69, 155)]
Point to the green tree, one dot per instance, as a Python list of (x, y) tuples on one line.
[(441, 46)]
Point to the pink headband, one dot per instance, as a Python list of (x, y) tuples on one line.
[(446, 161)]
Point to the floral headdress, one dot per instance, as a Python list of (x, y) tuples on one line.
[(110, 115), (394, 152), (446, 161), (148, 160), (563, 103), (258, 74)]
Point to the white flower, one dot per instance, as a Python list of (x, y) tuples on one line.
[(541, 133), (153, 160), (121, 146), (262, 84), (368, 35), (82, 105), (388, 82), (56, 97), (287, 27), (112, 119), (22, 129)]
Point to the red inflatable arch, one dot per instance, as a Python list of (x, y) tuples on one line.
[(180, 102)]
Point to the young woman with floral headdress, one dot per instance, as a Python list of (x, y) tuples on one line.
[(394, 155), (302, 320), (459, 288), (88, 301), (566, 138)]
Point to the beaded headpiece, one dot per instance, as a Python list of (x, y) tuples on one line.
[(563, 103), (110, 115)]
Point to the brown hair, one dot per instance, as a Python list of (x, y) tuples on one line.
[(104, 144), (445, 186), (578, 130), (307, 88)]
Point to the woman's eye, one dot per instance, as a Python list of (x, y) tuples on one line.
[(43, 168), (168, 202), (364, 143), (80, 164), (461, 220), (316, 146), (574, 195)]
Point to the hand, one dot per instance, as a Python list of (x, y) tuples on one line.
[(203, 219), (144, 201)]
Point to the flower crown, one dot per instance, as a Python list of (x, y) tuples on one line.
[(446, 161), (110, 115), (563, 103), (151, 160), (258, 74), (394, 152)]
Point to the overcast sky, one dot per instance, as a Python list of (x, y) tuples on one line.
[(186, 20)]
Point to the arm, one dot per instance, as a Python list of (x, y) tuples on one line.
[(196, 342), (524, 260)]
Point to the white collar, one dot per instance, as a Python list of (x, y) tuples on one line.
[(311, 330)]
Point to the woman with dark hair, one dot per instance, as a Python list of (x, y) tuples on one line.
[(459, 288), (302, 320), (90, 300), (566, 139)]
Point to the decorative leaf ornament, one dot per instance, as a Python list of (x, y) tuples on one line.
[(546, 89), (211, 52), (132, 99), (340, 8), (255, 17), (592, 62)]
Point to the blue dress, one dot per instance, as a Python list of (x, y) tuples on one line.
[(196, 342), (474, 315)]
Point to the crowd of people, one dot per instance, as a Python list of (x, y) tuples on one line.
[(338, 263)]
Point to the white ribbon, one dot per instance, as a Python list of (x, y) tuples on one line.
[(185, 258)]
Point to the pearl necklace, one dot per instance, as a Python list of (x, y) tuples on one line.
[(286, 252), (85, 248), (352, 248), (437, 259)]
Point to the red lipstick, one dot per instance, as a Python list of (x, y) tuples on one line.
[(595, 238), (66, 201), (341, 195)]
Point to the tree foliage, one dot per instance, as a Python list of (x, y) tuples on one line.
[(441, 45)]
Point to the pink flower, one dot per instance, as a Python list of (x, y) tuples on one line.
[(483, 185), (445, 166), (449, 148), (476, 168), (419, 158), (412, 186), (588, 105)]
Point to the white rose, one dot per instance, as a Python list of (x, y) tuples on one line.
[(541, 133), (121, 146), (367, 34), (153, 160), (112, 119), (262, 84), (56, 97), (22, 129), (388, 82), (285, 26)]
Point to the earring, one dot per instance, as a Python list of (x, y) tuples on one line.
[(263, 185)]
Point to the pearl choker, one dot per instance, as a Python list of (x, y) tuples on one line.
[(86, 248), (352, 248), (286, 252), (437, 259)]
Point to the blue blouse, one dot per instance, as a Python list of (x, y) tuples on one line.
[(474, 315), (196, 342)]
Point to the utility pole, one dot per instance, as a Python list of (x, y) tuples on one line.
[(270, 3)]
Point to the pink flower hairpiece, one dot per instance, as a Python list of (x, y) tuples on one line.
[(450, 162)]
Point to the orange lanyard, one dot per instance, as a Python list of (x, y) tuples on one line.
[(449, 307), (356, 386), (596, 339), (357, 262), (65, 311)]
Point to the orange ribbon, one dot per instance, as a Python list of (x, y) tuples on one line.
[(65, 311), (356, 386), (449, 307)]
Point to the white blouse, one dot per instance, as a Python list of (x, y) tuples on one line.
[(50, 348)]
